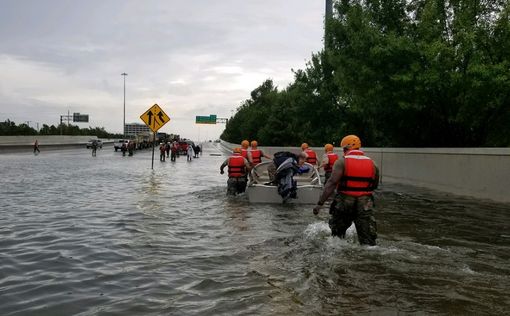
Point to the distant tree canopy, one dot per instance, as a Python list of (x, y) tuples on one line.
[(429, 73), (9, 128)]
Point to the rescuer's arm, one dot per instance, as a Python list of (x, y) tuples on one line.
[(324, 162), (329, 187), (248, 165), (376, 182), (265, 155), (223, 165), (250, 159)]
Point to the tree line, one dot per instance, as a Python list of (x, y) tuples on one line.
[(9, 128), (402, 73)]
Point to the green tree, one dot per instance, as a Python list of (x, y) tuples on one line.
[(396, 73)]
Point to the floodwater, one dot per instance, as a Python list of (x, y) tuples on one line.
[(108, 236)]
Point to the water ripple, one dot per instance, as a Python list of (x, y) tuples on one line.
[(109, 236)]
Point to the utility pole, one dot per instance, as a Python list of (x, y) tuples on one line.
[(124, 120), (329, 8), (328, 16)]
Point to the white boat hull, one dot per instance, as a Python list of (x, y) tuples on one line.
[(309, 187), (259, 193)]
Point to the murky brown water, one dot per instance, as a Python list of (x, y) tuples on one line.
[(108, 236)]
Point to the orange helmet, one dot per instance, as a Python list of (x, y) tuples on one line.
[(351, 142), (237, 150), (304, 146), (254, 143), (328, 147), (245, 143)]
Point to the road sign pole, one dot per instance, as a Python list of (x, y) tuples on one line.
[(153, 141)]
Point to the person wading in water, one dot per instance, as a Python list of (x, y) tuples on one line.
[(237, 168), (355, 177)]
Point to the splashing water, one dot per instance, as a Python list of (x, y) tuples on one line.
[(318, 230)]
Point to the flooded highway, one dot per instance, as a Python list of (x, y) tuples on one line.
[(109, 236)]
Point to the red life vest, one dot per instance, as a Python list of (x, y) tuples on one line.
[(244, 153), (256, 156), (311, 156), (236, 166), (332, 157), (358, 178)]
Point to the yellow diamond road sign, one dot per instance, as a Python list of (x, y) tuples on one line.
[(155, 118)]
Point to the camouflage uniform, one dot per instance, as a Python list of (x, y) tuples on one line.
[(347, 209), (236, 185)]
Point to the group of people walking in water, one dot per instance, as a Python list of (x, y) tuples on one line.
[(351, 176), (173, 149)]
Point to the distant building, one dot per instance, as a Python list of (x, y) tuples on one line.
[(134, 129)]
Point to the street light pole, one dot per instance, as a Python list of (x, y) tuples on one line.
[(329, 9), (327, 18), (124, 121)]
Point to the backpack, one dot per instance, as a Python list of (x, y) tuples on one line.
[(281, 156)]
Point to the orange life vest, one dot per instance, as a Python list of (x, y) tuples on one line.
[(311, 156), (358, 178), (332, 157), (256, 156), (236, 166)]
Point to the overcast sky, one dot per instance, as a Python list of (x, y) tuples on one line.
[(194, 57)]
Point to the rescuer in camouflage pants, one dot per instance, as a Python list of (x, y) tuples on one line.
[(236, 185), (237, 178), (354, 183), (347, 209)]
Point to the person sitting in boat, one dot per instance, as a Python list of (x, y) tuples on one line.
[(328, 160), (282, 171), (237, 168), (256, 154)]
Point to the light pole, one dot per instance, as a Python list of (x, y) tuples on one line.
[(327, 18), (329, 9), (124, 121)]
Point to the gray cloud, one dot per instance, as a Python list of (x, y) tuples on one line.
[(193, 57)]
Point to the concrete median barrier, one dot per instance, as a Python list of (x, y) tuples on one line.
[(49, 142)]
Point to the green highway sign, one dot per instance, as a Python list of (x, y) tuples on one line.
[(77, 117), (211, 119)]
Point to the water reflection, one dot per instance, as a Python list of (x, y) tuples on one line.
[(236, 212), (151, 183)]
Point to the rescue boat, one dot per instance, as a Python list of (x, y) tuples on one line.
[(261, 190)]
